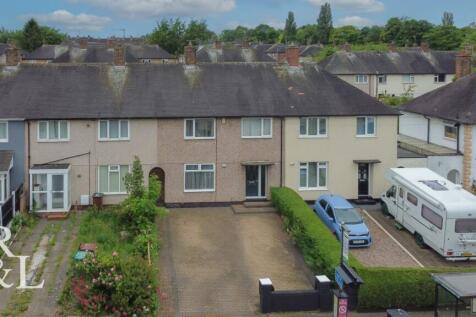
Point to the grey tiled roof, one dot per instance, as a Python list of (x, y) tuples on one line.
[(45, 52), (405, 62), (236, 54), (77, 91), (455, 102)]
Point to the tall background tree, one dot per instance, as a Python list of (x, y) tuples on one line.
[(290, 28), (324, 24), (447, 19), (32, 37)]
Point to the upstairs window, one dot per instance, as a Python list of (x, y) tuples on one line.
[(256, 128), (313, 127), (53, 131), (382, 79), (113, 130), (361, 79), (3, 131), (408, 79), (199, 128), (451, 131), (365, 126), (440, 78)]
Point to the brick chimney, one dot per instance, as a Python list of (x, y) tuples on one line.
[(190, 55), (292, 55), (467, 157), (13, 57), (463, 64), (110, 43), (119, 55), (218, 45), (425, 47), (83, 44)]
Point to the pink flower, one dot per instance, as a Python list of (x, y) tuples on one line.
[(115, 253)]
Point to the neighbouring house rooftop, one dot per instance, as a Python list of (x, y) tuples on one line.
[(81, 91), (45, 52), (237, 54), (455, 102), (421, 147), (402, 62), (6, 158)]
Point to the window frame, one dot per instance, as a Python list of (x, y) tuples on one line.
[(364, 77), (318, 135), (185, 171), (48, 139), (262, 136), (366, 134), (109, 177), (384, 81), (318, 167), (108, 138), (194, 131), (449, 125), (411, 79), (4, 140), (436, 78), (438, 225), (410, 200)]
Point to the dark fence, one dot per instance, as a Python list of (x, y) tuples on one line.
[(319, 298), (9, 208)]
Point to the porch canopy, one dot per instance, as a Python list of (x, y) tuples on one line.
[(256, 163), (6, 161), (461, 285), (367, 161), (42, 167)]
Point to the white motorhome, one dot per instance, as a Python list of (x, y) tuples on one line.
[(439, 213)]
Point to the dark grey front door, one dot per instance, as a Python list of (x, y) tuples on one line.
[(256, 181), (363, 178)]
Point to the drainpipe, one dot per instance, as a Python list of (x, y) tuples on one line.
[(281, 170), (428, 130), (457, 125)]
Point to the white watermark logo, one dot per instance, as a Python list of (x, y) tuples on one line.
[(5, 235)]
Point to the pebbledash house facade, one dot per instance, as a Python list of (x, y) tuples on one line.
[(212, 133)]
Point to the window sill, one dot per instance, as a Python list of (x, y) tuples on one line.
[(256, 137), (366, 136), (53, 141), (191, 139), (114, 194), (114, 140), (3, 141), (313, 136), (302, 189), (449, 139), (361, 83), (199, 191)]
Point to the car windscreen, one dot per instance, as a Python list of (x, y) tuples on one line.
[(347, 216), (465, 226)]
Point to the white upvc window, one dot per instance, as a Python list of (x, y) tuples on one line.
[(256, 127), (313, 127), (3, 131), (111, 179), (366, 126), (199, 177), (408, 79), (4, 187), (313, 176), (382, 79), (451, 132), (361, 79), (53, 131), (113, 130), (202, 128)]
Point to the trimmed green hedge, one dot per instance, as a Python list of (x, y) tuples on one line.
[(383, 287)]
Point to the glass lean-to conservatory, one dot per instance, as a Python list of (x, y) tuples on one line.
[(50, 186)]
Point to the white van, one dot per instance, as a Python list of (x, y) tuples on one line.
[(437, 212)]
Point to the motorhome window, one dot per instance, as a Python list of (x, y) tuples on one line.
[(400, 192), (435, 185), (431, 216), (412, 199), (323, 204), (465, 226)]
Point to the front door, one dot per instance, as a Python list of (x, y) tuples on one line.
[(363, 179), (256, 181)]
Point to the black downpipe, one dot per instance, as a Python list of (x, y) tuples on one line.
[(281, 154), (428, 131), (458, 126)]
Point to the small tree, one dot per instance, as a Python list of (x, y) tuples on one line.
[(447, 19), (134, 181), (290, 29), (32, 37)]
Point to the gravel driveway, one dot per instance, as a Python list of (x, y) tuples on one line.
[(211, 260)]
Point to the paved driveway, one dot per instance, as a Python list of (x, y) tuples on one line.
[(211, 260)]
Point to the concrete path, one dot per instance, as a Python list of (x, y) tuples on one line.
[(211, 260)]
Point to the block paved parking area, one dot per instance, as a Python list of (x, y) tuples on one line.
[(211, 260)]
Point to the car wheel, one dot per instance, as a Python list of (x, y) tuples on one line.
[(385, 209), (419, 240)]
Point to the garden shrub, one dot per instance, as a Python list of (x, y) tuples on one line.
[(383, 288), (122, 287)]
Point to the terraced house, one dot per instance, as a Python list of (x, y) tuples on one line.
[(212, 133)]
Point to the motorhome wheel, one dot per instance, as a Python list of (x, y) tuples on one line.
[(419, 240)]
